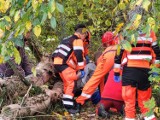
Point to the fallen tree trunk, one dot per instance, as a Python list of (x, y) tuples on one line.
[(35, 104)]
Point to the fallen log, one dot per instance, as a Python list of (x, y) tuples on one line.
[(35, 104)]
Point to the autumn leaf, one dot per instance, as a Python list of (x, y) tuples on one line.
[(17, 16), (49, 15), (84, 2), (40, 1), (4, 5), (118, 49), (7, 18), (136, 22), (139, 2), (26, 1), (1, 33), (17, 56), (34, 4), (118, 28), (1, 59), (121, 6), (151, 22), (28, 25), (146, 4), (133, 39), (34, 71), (37, 30)]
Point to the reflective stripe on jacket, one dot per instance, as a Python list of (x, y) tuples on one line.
[(71, 52), (142, 55)]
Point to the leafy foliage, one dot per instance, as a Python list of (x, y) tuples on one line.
[(52, 20)]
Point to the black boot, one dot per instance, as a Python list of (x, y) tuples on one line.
[(76, 109), (73, 111), (102, 112)]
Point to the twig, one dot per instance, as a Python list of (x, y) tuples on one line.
[(56, 114), (25, 96)]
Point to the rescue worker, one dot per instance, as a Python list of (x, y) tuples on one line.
[(68, 59), (135, 73), (105, 63), (24, 67), (111, 97)]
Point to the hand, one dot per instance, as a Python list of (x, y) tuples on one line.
[(154, 74), (82, 74), (117, 78), (87, 59), (96, 97)]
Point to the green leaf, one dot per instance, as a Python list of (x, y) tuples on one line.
[(121, 6), (80, 17), (126, 45), (108, 22), (18, 41), (12, 11), (36, 22), (150, 104), (60, 7), (53, 22), (52, 5), (44, 18)]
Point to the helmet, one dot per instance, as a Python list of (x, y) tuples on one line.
[(109, 38)]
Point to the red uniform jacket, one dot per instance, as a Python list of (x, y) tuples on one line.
[(112, 89)]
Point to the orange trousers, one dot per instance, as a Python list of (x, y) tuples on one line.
[(129, 96), (68, 76)]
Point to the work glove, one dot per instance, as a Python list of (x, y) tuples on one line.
[(87, 59), (154, 74), (82, 74), (117, 78), (96, 97)]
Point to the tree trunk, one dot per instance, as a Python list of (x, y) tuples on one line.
[(14, 89)]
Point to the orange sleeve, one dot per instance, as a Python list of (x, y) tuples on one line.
[(103, 67)]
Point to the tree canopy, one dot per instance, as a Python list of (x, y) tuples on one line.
[(52, 20)]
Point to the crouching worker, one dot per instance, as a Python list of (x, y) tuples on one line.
[(104, 65), (111, 97), (68, 59)]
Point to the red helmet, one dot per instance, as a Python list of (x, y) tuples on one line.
[(109, 38)]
